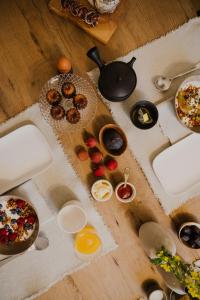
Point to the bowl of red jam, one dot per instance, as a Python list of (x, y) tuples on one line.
[(125, 192)]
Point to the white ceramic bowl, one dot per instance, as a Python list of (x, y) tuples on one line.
[(131, 198), (157, 294), (181, 228), (95, 186), (72, 217)]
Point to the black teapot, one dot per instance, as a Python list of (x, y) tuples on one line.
[(117, 79)]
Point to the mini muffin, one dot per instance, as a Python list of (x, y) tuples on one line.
[(73, 115), (53, 97), (57, 112), (80, 101), (68, 90)]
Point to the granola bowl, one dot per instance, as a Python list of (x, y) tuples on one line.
[(187, 103), (19, 225)]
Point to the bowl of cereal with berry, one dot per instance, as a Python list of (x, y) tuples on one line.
[(19, 225)]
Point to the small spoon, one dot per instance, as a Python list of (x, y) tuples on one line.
[(163, 83), (126, 176)]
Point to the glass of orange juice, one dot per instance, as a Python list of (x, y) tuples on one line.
[(87, 243)]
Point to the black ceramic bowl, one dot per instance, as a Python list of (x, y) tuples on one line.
[(152, 110)]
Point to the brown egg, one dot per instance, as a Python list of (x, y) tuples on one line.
[(64, 65)]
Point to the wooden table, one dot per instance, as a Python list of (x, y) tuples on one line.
[(31, 41)]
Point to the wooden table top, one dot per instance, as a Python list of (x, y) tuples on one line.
[(32, 39)]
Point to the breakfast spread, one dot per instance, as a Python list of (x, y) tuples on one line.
[(188, 105), (17, 221), (102, 190), (87, 241)]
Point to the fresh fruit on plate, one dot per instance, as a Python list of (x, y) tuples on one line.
[(111, 164), (87, 241), (99, 171), (96, 156), (91, 142), (82, 154)]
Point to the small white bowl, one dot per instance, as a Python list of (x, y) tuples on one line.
[(72, 217), (110, 188), (181, 228), (157, 294), (131, 198)]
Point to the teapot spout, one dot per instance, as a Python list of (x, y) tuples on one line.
[(131, 62)]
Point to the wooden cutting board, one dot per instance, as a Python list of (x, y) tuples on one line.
[(102, 32)]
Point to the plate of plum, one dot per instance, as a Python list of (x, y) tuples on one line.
[(189, 235)]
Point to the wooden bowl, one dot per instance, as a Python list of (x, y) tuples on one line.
[(120, 132)]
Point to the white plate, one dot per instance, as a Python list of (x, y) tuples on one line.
[(153, 237), (23, 153), (178, 167)]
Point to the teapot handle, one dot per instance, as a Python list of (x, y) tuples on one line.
[(131, 62), (94, 55)]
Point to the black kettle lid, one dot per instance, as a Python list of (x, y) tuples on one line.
[(117, 80)]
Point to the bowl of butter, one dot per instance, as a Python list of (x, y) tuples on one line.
[(102, 190), (144, 114)]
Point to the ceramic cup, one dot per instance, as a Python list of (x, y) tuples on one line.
[(157, 295), (72, 217), (127, 200)]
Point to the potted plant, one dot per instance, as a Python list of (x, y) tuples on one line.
[(186, 274)]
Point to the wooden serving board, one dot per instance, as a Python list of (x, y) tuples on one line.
[(102, 32)]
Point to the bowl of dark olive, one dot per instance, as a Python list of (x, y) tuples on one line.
[(113, 139), (189, 235), (144, 114)]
